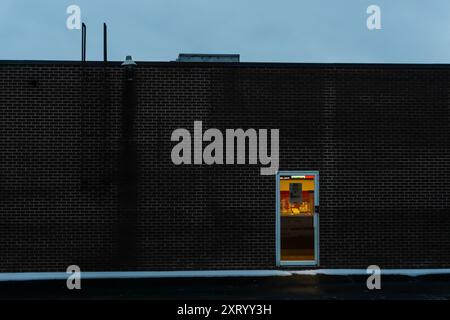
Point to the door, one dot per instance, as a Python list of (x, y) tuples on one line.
[(297, 220)]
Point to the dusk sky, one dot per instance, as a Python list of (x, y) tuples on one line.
[(413, 31)]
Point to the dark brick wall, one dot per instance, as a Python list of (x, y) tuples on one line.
[(378, 134)]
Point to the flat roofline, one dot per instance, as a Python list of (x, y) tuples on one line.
[(236, 64)]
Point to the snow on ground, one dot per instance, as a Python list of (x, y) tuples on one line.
[(26, 276)]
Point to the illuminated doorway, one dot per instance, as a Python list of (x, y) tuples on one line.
[(297, 220)]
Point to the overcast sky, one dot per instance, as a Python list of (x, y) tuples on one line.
[(413, 31)]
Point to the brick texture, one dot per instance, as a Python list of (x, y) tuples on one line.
[(378, 134)]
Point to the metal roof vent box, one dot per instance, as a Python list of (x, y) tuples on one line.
[(200, 57)]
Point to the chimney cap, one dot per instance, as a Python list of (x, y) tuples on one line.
[(128, 61)]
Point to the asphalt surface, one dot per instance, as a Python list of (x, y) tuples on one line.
[(263, 288)]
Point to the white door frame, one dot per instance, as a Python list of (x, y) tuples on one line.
[(316, 260)]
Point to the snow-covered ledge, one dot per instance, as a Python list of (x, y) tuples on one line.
[(28, 276)]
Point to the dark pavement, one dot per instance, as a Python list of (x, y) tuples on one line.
[(261, 288)]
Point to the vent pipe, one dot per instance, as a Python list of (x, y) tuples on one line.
[(105, 42), (83, 42)]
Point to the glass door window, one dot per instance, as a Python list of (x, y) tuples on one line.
[(297, 218)]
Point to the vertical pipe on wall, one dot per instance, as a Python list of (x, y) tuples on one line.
[(82, 107), (128, 173), (107, 165), (329, 160)]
